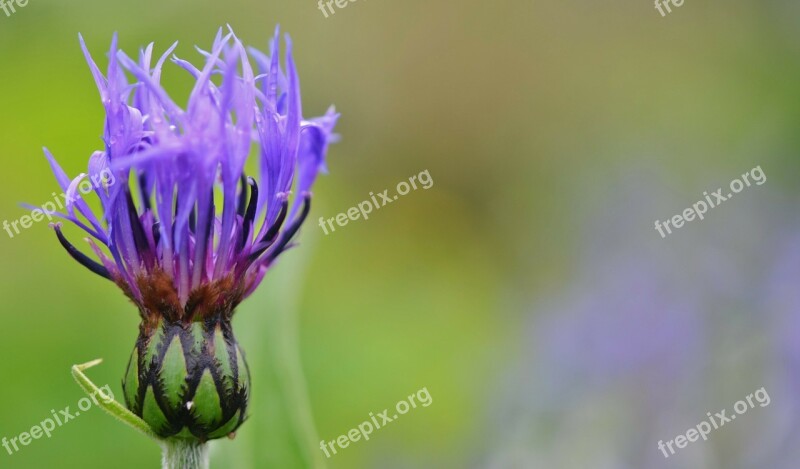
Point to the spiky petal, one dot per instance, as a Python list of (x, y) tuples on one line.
[(183, 230), (191, 234)]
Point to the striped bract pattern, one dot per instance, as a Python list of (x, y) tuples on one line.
[(188, 381)]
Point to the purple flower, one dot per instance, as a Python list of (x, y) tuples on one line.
[(183, 230)]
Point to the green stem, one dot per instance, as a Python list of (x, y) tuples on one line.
[(184, 454), (295, 389), (289, 371)]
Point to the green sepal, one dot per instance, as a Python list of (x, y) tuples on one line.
[(172, 374)]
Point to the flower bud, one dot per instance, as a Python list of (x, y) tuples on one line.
[(188, 381)]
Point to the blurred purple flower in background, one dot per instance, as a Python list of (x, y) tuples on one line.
[(780, 448), (638, 348)]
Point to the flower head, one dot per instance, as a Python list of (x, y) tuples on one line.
[(184, 232), (191, 234)]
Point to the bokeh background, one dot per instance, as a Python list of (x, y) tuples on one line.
[(527, 289)]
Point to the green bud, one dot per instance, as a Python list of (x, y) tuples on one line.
[(188, 381)]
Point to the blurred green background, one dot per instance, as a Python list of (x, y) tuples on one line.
[(556, 132)]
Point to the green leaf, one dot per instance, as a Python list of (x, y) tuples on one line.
[(110, 406)]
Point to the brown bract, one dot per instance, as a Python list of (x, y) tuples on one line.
[(160, 299)]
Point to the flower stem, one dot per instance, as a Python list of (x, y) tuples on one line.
[(184, 454)]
